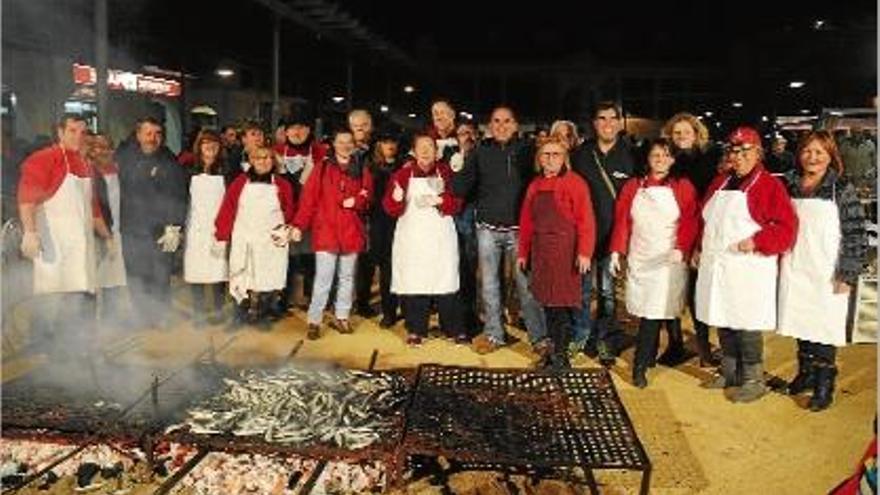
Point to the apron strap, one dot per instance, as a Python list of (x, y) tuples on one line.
[(64, 156)]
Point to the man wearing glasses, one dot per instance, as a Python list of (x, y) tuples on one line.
[(606, 162), (498, 171)]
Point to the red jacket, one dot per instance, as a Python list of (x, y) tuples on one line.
[(688, 220), (769, 205), (335, 229), (572, 197), (43, 172), (451, 204), (225, 220)]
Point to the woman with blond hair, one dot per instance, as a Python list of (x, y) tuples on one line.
[(557, 235), (696, 159), (819, 272), (567, 131)]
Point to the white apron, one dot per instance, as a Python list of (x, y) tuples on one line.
[(111, 270), (255, 263), (808, 307), (424, 254), (200, 266), (66, 261), (734, 290), (655, 286)]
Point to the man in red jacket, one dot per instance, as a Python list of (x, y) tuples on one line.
[(59, 214), (748, 222)]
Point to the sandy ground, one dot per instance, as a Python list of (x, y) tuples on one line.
[(697, 440)]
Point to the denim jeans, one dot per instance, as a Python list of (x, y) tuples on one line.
[(605, 323), (325, 269), (491, 247), (582, 327)]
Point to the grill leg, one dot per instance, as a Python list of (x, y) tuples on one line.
[(591, 481), (646, 481)]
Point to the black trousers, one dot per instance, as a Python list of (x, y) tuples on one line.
[(559, 321), (417, 310), (368, 263), (646, 341), (303, 264), (825, 352), (148, 270), (467, 279), (363, 279), (700, 328), (745, 345)]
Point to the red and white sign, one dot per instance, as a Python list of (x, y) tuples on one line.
[(127, 81)]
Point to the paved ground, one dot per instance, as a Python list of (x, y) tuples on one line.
[(698, 441)]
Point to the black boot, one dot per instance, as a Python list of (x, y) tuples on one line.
[(824, 393), (674, 353), (646, 349), (806, 375), (704, 349)]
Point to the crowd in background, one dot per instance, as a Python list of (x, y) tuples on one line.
[(488, 229)]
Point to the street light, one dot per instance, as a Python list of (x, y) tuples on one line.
[(408, 89), (796, 84), (338, 99), (411, 115), (708, 114), (224, 72), (383, 108), (737, 104), (805, 111)]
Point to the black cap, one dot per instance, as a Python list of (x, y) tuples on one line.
[(299, 115), (387, 132)]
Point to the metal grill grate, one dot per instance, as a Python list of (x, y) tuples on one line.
[(522, 419)]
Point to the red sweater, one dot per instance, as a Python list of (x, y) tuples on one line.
[(335, 229), (450, 205), (769, 205), (225, 220), (43, 172), (688, 220), (572, 197)]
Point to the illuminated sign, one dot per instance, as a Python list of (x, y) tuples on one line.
[(127, 81)]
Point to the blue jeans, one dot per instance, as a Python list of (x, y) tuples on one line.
[(583, 318), (325, 269), (605, 323), (491, 247)]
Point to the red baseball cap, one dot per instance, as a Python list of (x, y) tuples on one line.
[(744, 135)]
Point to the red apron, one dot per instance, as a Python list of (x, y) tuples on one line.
[(555, 280)]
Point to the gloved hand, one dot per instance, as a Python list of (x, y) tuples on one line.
[(614, 264), (110, 248), (397, 193), (348, 202), (280, 235), (218, 249), (296, 235), (428, 200), (30, 244), (170, 240), (675, 256)]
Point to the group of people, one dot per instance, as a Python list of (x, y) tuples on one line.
[(681, 221)]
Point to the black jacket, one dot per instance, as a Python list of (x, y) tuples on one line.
[(153, 191), (381, 223), (620, 163), (698, 166), (854, 238), (500, 175)]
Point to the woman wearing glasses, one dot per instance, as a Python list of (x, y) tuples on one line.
[(557, 234), (819, 272), (748, 221), (655, 226)]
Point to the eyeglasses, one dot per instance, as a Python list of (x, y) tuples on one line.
[(740, 149), (552, 154)]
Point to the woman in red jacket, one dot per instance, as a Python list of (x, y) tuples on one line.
[(556, 238), (748, 221), (257, 209), (655, 225), (424, 254), (335, 198)]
